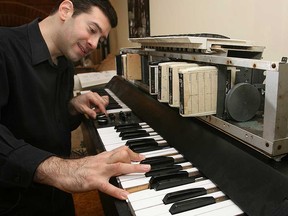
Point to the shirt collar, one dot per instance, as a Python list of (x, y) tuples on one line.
[(39, 49)]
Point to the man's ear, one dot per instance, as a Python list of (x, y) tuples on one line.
[(66, 9)]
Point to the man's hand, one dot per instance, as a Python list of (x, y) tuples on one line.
[(90, 173), (89, 103)]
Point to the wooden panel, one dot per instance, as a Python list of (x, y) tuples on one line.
[(45, 5)]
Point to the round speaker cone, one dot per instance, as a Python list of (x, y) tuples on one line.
[(242, 102)]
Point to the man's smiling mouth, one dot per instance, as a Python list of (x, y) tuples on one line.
[(84, 51)]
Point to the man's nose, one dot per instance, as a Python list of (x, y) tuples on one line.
[(93, 42)]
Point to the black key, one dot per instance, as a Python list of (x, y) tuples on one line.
[(173, 182), (134, 134), (128, 128), (143, 149), (164, 170), (152, 159), (183, 194), (141, 142), (144, 145), (187, 205), (112, 102), (125, 125), (155, 179), (158, 161), (113, 106), (131, 132)]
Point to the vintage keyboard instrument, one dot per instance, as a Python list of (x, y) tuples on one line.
[(246, 182), (240, 162)]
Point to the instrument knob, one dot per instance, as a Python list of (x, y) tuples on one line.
[(112, 116), (123, 118), (102, 119)]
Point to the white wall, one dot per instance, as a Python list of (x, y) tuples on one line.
[(263, 21), (119, 36)]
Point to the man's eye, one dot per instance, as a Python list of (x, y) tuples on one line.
[(93, 30)]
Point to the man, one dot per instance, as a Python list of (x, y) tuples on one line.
[(37, 112)]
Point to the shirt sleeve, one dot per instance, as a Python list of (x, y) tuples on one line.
[(18, 159), (75, 120)]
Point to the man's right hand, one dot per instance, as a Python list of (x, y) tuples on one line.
[(91, 172)]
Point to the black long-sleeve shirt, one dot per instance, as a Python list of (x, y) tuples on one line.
[(34, 118)]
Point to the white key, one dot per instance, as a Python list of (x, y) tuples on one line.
[(231, 210), (131, 184), (124, 108), (119, 110), (118, 140), (111, 146), (161, 152), (114, 146), (116, 135), (158, 200), (123, 142), (224, 208), (146, 194), (164, 209)]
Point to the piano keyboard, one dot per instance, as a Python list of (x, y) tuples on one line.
[(115, 104), (173, 186)]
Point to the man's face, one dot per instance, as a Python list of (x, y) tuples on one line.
[(80, 35)]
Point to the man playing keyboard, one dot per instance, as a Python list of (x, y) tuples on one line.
[(38, 113)]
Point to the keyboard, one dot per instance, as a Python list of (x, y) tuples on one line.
[(199, 155), (174, 186)]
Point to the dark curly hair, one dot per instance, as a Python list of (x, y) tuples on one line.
[(84, 6)]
